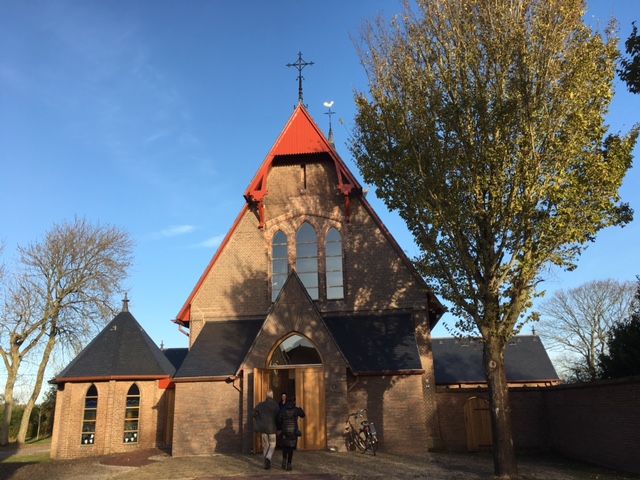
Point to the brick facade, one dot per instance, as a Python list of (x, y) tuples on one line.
[(109, 434)]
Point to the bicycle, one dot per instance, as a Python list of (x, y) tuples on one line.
[(361, 432)]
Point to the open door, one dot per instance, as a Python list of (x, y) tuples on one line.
[(311, 397), (260, 387)]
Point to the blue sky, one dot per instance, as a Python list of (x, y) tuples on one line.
[(155, 115)]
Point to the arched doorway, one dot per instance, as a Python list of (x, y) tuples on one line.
[(295, 366)]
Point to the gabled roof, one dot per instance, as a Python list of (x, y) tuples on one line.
[(121, 350), (459, 361), (377, 343), (220, 349), (302, 136)]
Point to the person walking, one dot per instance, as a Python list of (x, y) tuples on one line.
[(265, 416), (288, 421)]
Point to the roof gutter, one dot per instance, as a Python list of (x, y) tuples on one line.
[(107, 378)]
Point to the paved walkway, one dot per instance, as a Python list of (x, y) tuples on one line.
[(158, 465)]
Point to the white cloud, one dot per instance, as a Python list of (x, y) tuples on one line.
[(212, 242), (176, 230)]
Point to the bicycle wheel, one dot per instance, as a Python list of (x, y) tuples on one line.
[(360, 440), (372, 442)]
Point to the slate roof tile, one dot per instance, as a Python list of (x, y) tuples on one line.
[(220, 349), (460, 360), (376, 343), (121, 349)]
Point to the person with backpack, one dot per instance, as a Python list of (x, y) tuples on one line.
[(288, 421)]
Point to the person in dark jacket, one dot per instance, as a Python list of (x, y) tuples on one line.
[(265, 417), (288, 421)]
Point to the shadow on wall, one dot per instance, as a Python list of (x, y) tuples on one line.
[(227, 439)]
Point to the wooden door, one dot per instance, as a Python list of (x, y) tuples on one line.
[(478, 422), (170, 397), (310, 396), (260, 387)]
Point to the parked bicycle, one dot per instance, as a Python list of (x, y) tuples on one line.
[(361, 432)]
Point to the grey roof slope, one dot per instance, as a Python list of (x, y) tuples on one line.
[(460, 361), (220, 349), (121, 349), (176, 355), (376, 343)]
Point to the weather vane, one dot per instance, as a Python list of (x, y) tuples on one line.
[(300, 64)]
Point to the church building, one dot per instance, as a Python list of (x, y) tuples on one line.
[(308, 294)]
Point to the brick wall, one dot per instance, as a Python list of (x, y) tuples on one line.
[(109, 435), (207, 418), (597, 422), (395, 405)]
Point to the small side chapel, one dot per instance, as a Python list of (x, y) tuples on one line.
[(308, 294)]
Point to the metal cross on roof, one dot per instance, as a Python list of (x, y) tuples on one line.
[(300, 64)]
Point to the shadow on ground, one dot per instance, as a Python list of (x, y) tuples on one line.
[(159, 465)]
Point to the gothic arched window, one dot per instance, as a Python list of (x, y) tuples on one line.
[(307, 258), (132, 415), (335, 287), (279, 264), (90, 415)]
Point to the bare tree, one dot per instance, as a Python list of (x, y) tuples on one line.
[(575, 323), (62, 291)]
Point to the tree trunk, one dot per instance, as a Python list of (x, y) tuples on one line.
[(12, 376), (26, 415), (6, 418), (504, 459)]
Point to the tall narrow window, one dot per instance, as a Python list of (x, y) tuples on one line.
[(280, 264), (335, 288), (307, 258), (132, 415), (90, 415)]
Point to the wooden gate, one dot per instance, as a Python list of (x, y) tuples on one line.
[(477, 419)]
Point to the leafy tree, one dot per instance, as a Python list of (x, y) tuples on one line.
[(62, 291), (629, 70), (622, 358), (484, 128), (576, 323)]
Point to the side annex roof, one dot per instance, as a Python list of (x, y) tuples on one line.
[(122, 350), (458, 361), (220, 350)]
